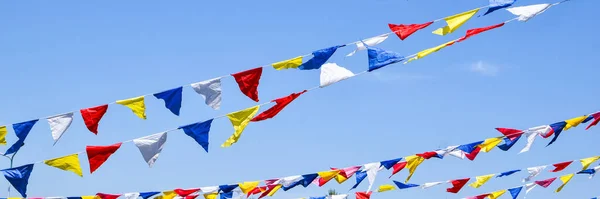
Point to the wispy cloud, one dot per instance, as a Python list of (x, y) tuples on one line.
[(389, 77), (484, 68)]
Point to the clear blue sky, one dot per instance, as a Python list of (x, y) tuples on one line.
[(61, 56)]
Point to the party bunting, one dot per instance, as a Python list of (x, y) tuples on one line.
[(429, 51), (332, 73), (326, 176), (239, 120), (185, 192), (21, 130), (533, 172), (455, 22), (481, 180), (172, 99), (561, 166), (107, 196), (403, 31), (280, 104), (97, 155), (3, 133), (514, 192), (586, 162), (151, 146), (199, 132), (59, 125), (248, 82), (574, 122), (363, 195), (404, 186), (565, 179), (557, 128), (473, 32), (287, 64), (210, 90), (246, 187), (507, 173), (527, 12), (412, 163), (373, 41), (66, 163), (497, 194), (386, 187), (498, 4), (319, 58), (490, 144), (457, 185), (136, 105), (18, 177), (378, 58), (545, 183), (146, 195), (92, 116)]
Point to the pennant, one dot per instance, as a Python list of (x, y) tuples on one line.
[(372, 169), (107, 196), (360, 176), (468, 148), (97, 155), (257, 190), (529, 187), (246, 187), (586, 162), (471, 156), (508, 143), (596, 117), (332, 73), (574, 122), (428, 155), (545, 183), (378, 58), (146, 195), (308, 178), (455, 22), (545, 130), (509, 133), (239, 120), (498, 4), (326, 176), (561, 166), (430, 184), (363, 195), (319, 58), (134, 195), (475, 31), (481, 180), (403, 31), (412, 162), (592, 172), (373, 41), (530, 139), (59, 125), (281, 103), (342, 196), (210, 195), (404, 186), (482, 196), (199, 132), (226, 195), (21, 130), (429, 51), (507, 173), (172, 99), (185, 192), (457, 185), (398, 167), (514, 192), (227, 188), (386, 187), (3, 133), (272, 189), (192, 196), (533, 172), (19, 177), (210, 189), (92, 116), (66, 163), (490, 143), (527, 12), (387, 164), (151, 146), (248, 82), (344, 174), (287, 64), (565, 179), (136, 105), (497, 194), (557, 128), (210, 90)]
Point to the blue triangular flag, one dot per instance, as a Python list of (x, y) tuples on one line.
[(199, 131), (227, 188), (508, 143), (557, 128), (468, 148), (172, 99), (507, 173), (19, 177), (360, 176), (404, 186), (514, 192), (22, 129), (390, 163), (587, 171), (498, 4), (226, 195), (379, 58), (15, 147), (322, 197), (308, 178), (146, 195), (294, 184), (591, 117), (319, 58)]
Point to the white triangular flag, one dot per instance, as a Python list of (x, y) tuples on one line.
[(131, 195), (533, 172), (59, 125), (332, 73), (342, 196), (530, 139), (150, 146), (529, 187), (287, 181), (527, 12), (371, 169), (451, 150), (430, 184), (370, 42), (211, 91), (209, 189)]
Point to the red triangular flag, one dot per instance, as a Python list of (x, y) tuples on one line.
[(457, 185), (561, 166), (185, 192), (192, 196), (269, 189), (398, 167), (363, 195), (428, 155), (248, 82), (271, 181), (97, 155), (482, 196), (511, 134), (107, 196), (472, 32), (545, 183), (281, 103), (92, 116), (257, 190), (596, 120), (403, 31), (471, 156)]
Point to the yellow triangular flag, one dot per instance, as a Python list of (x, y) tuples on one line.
[(454, 22), (167, 195), (248, 186), (386, 187), (328, 175), (412, 162), (239, 120), (586, 162), (275, 189), (211, 195), (490, 143), (429, 51), (565, 179), (3, 133), (480, 180), (573, 122), (340, 178), (67, 163), (496, 194), (287, 64), (136, 105), (90, 197)]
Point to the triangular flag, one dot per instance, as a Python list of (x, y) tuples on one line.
[(227, 195), (530, 139), (193, 196), (379, 58), (596, 117), (92, 116), (67, 163), (371, 171), (373, 41), (280, 103), (199, 132), (457, 185), (136, 105), (475, 31), (308, 178), (19, 177), (557, 128), (507, 173), (428, 155), (430, 184), (412, 163), (586, 162), (272, 189), (565, 179), (287, 64), (481, 180), (227, 188), (514, 192), (248, 82), (172, 99), (490, 143), (527, 12), (59, 125), (455, 21), (186, 192), (3, 133), (363, 195), (471, 156), (97, 155), (386, 187), (239, 120), (340, 196), (561, 166), (508, 143), (146, 195), (545, 183), (512, 134), (404, 186), (388, 164), (498, 4), (398, 167), (429, 51), (210, 90), (403, 31), (107, 196), (319, 58), (482, 196), (168, 195), (246, 187), (360, 176), (497, 194), (151, 146), (529, 187), (326, 176), (533, 172), (574, 122), (344, 174), (211, 195), (134, 195), (209, 189), (332, 73), (21, 130)]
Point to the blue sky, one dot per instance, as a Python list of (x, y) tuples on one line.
[(61, 56)]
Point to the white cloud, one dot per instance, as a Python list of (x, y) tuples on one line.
[(484, 68)]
